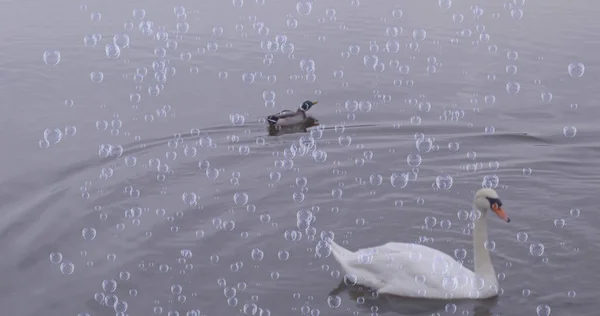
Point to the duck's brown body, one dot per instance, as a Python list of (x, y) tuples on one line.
[(301, 127), (286, 121)]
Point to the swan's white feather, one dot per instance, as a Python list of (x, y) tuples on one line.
[(412, 270)]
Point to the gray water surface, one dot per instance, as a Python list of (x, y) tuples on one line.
[(153, 188)]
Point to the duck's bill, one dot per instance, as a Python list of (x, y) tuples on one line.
[(500, 212), (315, 102)]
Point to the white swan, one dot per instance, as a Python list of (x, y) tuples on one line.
[(414, 270)]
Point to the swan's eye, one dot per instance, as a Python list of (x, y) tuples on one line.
[(495, 201)]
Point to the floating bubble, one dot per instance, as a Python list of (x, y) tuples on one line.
[(88, 233), (444, 182), (543, 310), (419, 34), (90, 41), (445, 4), (570, 131), (257, 254), (240, 198), (536, 250), (96, 76), (576, 69), (113, 51), (546, 97), (334, 301), (51, 57), (304, 8), (513, 87), (121, 40), (516, 14), (238, 3), (139, 14), (56, 257), (95, 16), (575, 212), (67, 267)]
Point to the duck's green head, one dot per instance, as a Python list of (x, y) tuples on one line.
[(307, 105)]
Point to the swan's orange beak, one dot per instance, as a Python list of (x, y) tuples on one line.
[(500, 212)]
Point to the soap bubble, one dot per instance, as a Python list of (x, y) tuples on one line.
[(445, 4), (576, 70), (570, 131), (51, 57), (513, 87), (419, 34), (121, 40), (113, 51), (543, 310), (96, 76), (139, 14)]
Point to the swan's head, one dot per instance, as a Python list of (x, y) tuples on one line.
[(487, 199)]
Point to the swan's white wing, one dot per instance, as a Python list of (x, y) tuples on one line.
[(402, 269), (425, 272)]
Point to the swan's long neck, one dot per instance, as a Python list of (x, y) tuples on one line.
[(483, 262)]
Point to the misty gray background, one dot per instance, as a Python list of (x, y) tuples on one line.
[(92, 223)]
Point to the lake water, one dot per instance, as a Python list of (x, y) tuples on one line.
[(138, 177)]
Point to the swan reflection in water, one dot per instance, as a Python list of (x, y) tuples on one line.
[(384, 304)]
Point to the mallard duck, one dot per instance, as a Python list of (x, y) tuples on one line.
[(288, 118), (302, 127), (288, 121)]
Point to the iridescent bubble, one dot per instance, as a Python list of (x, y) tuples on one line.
[(182, 27), (95, 16), (511, 69), (543, 310), (522, 236), (51, 57), (56, 257), (576, 69), (546, 97), (90, 41), (445, 4), (397, 13), (88, 233), (516, 14), (419, 34), (139, 14), (536, 250), (53, 135), (238, 3), (334, 301), (240, 198), (113, 51), (345, 140), (444, 182), (304, 8), (67, 267), (413, 160), (257, 254), (574, 212), (319, 155), (109, 286), (121, 40), (513, 87), (96, 76), (570, 131)]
